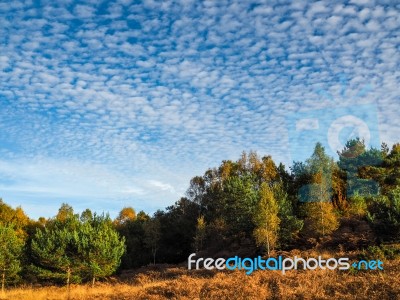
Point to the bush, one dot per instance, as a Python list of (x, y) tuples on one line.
[(381, 252)]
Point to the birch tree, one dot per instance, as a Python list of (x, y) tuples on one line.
[(266, 219)]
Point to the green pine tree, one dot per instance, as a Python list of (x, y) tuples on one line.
[(100, 247), (55, 252), (74, 250), (11, 247)]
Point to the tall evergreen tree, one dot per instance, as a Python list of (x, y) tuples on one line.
[(290, 225), (152, 231), (384, 214), (354, 160), (239, 199), (136, 253)]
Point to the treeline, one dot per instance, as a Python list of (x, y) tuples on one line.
[(67, 248), (253, 205), (249, 206)]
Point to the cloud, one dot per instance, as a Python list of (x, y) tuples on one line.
[(159, 93), (84, 11), (162, 186)]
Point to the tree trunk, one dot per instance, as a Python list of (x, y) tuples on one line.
[(93, 281), (3, 281), (322, 210), (68, 278)]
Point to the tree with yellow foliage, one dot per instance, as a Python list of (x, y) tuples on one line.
[(266, 219), (320, 218), (125, 215)]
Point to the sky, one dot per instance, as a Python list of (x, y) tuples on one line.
[(106, 104)]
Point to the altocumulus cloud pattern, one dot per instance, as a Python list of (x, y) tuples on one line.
[(108, 103)]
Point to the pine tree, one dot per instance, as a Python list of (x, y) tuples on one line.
[(100, 247), (290, 225), (384, 214), (357, 161), (55, 252), (238, 202), (152, 236), (11, 247), (74, 250)]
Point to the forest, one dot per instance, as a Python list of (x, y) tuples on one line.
[(251, 206)]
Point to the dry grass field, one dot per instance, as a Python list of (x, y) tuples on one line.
[(176, 282)]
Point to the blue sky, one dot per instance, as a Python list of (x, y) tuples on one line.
[(119, 103)]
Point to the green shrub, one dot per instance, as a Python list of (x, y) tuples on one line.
[(381, 252)]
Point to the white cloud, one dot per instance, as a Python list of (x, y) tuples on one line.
[(84, 11), (165, 96), (162, 186)]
